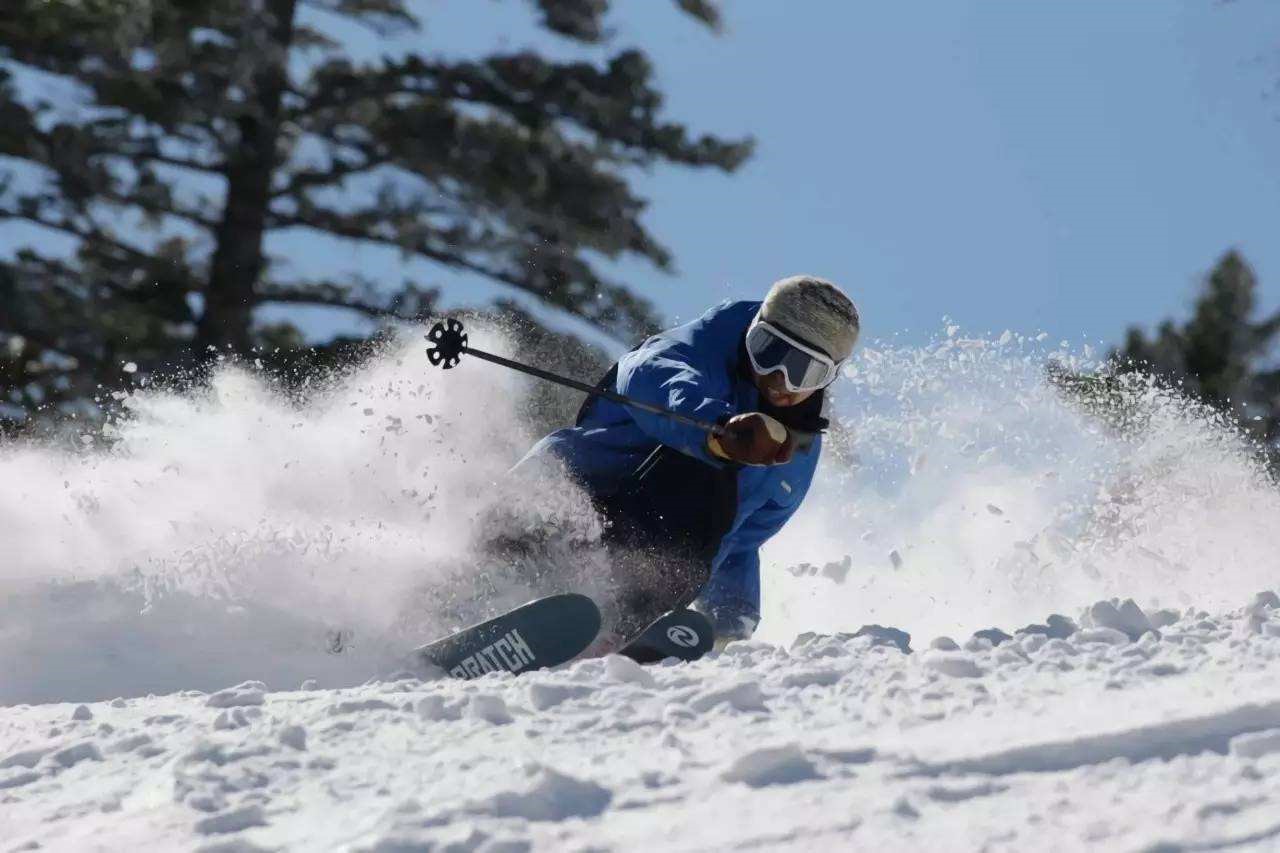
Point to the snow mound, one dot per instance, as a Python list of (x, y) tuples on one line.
[(782, 765), (1171, 741)]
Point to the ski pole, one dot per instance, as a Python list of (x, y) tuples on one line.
[(449, 343)]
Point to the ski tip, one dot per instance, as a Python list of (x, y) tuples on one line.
[(575, 605)]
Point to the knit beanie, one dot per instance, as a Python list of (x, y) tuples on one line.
[(814, 310)]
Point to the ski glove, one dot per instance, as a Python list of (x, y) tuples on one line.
[(753, 438)]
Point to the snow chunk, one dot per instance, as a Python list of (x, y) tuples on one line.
[(1058, 648), (781, 765), (246, 693), (15, 778), (294, 736), (490, 708), (1032, 642), (543, 696), (1056, 627), (808, 677), (1109, 636), (232, 821), (1163, 669), (131, 742), (434, 708), (884, 636), (944, 644), (837, 571), (232, 718), (24, 757), (554, 796), (1267, 599), (1127, 618), (902, 808), (994, 636), (82, 712), (1257, 615), (961, 793), (86, 750), (1255, 744), (743, 696), (357, 706), (952, 663), (627, 671)]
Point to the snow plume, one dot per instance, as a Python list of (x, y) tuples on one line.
[(242, 532), (963, 491)]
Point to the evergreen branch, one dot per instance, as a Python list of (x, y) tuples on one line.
[(148, 147), (311, 178), (332, 224), (93, 235), (617, 104), (168, 160), (580, 20), (41, 337), (704, 10), (288, 295), (382, 17), (360, 297), (157, 208), (613, 317)]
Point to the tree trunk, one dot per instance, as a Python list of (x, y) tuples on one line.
[(237, 263)]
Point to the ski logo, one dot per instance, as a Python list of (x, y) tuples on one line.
[(683, 636), (509, 653)]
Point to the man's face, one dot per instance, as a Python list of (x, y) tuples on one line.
[(773, 388)]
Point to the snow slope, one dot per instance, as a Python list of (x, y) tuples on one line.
[(220, 577), (1168, 743)]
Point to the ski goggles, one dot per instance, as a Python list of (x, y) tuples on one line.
[(803, 367)]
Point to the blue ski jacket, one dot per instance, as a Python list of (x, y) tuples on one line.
[(692, 369)]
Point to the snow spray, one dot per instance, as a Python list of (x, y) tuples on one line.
[(239, 531), (962, 490)]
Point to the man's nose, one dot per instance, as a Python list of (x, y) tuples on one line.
[(774, 382)]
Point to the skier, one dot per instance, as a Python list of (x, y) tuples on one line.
[(686, 511)]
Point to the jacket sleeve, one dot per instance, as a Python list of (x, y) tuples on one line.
[(671, 377)]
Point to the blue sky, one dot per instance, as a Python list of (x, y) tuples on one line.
[(1072, 167), (1068, 166)]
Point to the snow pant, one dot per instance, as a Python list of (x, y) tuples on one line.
[(663, 528)]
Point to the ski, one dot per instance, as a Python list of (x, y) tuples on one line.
[(683, 634), (542, 633)]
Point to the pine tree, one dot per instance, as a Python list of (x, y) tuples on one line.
[(206, 126), (1219, 355)]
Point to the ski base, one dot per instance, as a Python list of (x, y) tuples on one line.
[(683, 634), (543, 633)]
